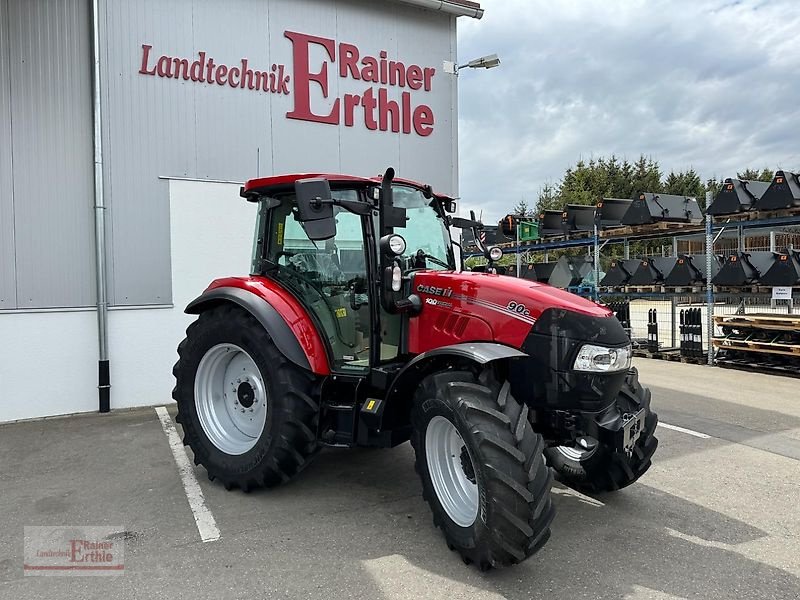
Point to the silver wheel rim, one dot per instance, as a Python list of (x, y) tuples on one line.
[(575, 453), (230, 399), (448, 458)]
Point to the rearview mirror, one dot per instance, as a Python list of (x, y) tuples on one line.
[(315, 208)]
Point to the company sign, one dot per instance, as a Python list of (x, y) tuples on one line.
[(370, 108)]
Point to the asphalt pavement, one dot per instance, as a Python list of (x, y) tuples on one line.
[(716, 517)]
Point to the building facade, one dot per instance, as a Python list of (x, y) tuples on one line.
[(194, 98)]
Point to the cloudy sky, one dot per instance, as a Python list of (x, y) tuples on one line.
[(713, 85)]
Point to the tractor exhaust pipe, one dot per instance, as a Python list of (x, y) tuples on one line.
[(103, 376)]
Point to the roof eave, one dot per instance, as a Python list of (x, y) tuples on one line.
[(460, 8)]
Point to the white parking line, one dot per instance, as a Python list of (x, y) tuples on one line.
[(703, 436), (206, 524)]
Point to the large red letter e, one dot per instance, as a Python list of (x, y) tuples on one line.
[(303, 78)]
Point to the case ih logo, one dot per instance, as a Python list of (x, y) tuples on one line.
[(372, 106)]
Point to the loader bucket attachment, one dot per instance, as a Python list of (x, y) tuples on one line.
[(567, 272), (653, 271), (580, 217), (744, 268), (550, 223), (691, 270), (620, 272), (785, 271), (737, 196), (610, 212), (528, 272), (655, 208), (544, 271), (783, 192)]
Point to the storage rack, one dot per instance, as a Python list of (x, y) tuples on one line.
[(770, 341), (624, 235)]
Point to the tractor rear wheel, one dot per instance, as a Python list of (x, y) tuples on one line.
[(600, 468), (247, 412), (482, 468)]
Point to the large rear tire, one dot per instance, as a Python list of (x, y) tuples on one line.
[(482, 468), (601, 469), (247, 412)]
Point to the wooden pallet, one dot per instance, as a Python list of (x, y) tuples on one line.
[(753, 346), (687, 360), (758, 215), (789, 323), (674, 289), (643, 289), (660, 354), (758, 367), (747, 289), (667, 227)]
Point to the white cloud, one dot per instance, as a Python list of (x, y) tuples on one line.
[(708, 85)]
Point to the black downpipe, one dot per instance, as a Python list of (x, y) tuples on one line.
[(104, 386)]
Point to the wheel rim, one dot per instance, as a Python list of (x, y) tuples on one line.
[(452, 471), (576, 452), (230, 398)]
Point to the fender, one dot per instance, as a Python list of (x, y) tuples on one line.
[(478, 352), (293, 341)]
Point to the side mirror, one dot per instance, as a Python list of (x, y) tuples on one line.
[(461, 223), (315, 208)]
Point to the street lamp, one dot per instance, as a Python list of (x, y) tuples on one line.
[(484, 62)]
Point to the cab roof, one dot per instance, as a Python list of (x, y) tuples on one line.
[(285, 183)]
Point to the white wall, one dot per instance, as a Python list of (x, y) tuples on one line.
[(48, 361)]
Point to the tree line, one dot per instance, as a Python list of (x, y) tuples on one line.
[(587, 182)]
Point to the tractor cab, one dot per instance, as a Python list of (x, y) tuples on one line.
[(336, 242)]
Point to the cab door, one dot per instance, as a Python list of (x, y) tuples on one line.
[(329, 278)]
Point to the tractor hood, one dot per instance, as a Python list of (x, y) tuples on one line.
[(470, 306), (546, 323)]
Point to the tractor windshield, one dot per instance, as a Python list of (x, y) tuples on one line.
[(427, 237)]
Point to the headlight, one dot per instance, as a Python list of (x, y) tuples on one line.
[(393, 245), (599, 359), (495, 253)]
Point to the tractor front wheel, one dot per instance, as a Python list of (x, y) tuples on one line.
[(247, 412), (482, 468)]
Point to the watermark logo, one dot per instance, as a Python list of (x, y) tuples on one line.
[(74, 551)]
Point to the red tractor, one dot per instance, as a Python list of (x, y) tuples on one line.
[(357, 327)]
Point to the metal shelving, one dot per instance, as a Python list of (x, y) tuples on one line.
[(710, 227)]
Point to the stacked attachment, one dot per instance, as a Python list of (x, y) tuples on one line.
[(569, 271), (691, 270), (610, 211), (528, 272), (543, 271), (510, 225), (653, 271), (783, 192), (785, 270), (652, 330), (620, 272), (622, 310), (657, 208), (578, 217), (762, 342), (550, 223), (738, 196), (691, 330), (744, 268)]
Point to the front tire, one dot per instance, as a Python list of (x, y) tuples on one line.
[(482, 468), (602, 469), (247, 412)]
